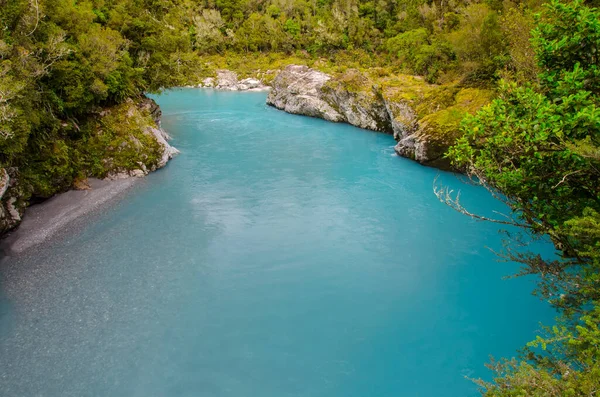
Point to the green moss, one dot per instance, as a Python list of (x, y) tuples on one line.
[(119, 140), (473, 99), (436, 99), (404, 88), (444, 125), (352, 80)]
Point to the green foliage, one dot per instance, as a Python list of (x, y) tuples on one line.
[(538, 145), (61, 61), (567, 43), (417, 53), (118, 140), (573, 370), (516, 23)]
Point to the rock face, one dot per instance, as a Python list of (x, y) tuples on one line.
[(228, 81), (12, 204), (144, 141), (160, 135), (353, 99), (298, 90), (301, 90)]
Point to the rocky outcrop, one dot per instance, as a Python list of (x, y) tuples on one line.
[(141, 144), (353, 99), (12, 199), (228, 81), (298, 90), (423, 118), (160, 135), (302, 90)]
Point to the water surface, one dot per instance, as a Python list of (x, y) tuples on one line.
[(276, 256)]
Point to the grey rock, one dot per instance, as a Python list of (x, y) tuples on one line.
[(302, 90), (298, 90), (4, 181), (251, 83), (12, 203), (168, 151), (228, 81), (158, 133)]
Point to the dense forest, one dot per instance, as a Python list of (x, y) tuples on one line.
[(64, 64)]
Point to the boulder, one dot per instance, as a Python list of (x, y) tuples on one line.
[(298, 90), (226, 80)]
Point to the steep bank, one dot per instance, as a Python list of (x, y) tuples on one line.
[(119, 142), (423, 118)]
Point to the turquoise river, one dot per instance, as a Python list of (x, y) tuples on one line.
[(276, 256)]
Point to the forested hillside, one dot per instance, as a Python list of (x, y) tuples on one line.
[(441, 40), (73, 75), (62, 64)]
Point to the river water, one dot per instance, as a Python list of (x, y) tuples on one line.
[(276, 256)]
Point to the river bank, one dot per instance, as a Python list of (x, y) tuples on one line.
[(121, 142), (424, 120), (43, 220)]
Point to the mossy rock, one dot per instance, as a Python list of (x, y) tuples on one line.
[(444, 125), (119, 140), (404, 88), (352, 81)]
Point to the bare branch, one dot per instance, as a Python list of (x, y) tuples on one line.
[(446, 196), (37, 17), (564, 178)]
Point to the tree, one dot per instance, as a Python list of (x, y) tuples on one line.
[(208, 31), (538, 148)]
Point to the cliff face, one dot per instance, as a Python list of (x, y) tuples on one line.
[(301, 90), (121, 141), (423, 118)]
